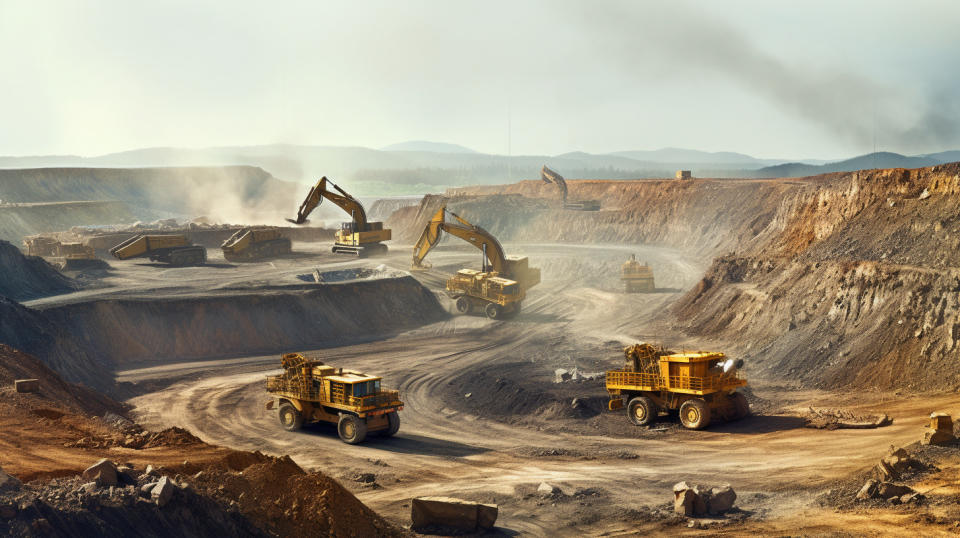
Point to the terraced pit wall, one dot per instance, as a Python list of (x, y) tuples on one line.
[(85, 342)]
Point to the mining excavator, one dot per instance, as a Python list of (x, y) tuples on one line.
[(549, 176), (175, 249), (358, 237), (498, 288)]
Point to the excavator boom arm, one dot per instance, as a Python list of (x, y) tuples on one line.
[(549, 176), (342, 200), (470, 233)]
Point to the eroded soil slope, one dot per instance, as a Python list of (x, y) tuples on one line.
[(28, 277)]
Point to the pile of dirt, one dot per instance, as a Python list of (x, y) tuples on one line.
[(20, 220), (29, 277)]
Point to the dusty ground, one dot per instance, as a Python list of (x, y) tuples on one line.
[(615, 477)]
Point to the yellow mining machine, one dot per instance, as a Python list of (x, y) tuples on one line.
[(636, 276), (65, 256), (175, 249), (358, 237), (702, 385), (255, 244), (549, 176), (311, 391), (498, 288)]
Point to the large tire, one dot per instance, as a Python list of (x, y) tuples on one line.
[(463, 305), (642, 411), (740, 405), (290, 418), (493, 311), (394, 419), (352, 429), (695, 414)]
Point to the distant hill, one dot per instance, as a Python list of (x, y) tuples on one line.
[(691, 156), (881, 159), (432, 147)]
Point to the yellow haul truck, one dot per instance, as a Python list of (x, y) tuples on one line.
[(636, 276), (701, 385), (359, 236), (499, 288), (174, 249), (311, 391), (255, 244)]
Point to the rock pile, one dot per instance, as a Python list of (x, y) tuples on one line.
[(700, 500), (888, 491)]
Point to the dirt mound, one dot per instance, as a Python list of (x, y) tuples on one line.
[(23, 219), (29, 277)]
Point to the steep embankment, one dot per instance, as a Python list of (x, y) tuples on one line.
[(706, 216), (29, 277), (238, 194), (855, 283), (85, 341), (20, 220)]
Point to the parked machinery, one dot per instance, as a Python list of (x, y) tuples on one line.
[(255, 244), (549, 176), (499, 288), (358, 237), (175, 249), (636, 276), (311, 391), (701, 385), (64, 256)]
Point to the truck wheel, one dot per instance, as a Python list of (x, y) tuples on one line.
[(641, 410), (695, 414), (394, 419), (742, 408), (494, 311), (352, 430), (290, 418), (463, 305)]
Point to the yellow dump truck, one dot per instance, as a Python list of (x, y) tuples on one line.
[(175, 249), (636, 276), (250, 244), (499, 288), (311, 391), (702, 385)]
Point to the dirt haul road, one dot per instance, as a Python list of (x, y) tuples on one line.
[(464, 444)]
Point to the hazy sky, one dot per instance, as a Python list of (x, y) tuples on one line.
[(772, 79)]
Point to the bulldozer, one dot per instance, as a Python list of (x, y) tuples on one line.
[(357, 237), (249, 244), (549, 176), (310, 391), (636, 276), (174, 249), (64, 256), (499, 288), (700, 385)]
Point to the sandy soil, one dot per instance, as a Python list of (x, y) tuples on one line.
[(448, 447)]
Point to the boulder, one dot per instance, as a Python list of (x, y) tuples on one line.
[(886, 490), (162, 492), (937, 437), (104, 472), (721, 499), (8, 482), (546, 490), (451, 513), (868, 491), (27, 385), (701, 499), (146, 489), (683, 502)]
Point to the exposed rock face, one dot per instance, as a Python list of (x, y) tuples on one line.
[(697, 500), (446, 513)]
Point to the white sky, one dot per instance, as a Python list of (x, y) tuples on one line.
[(772, 79)]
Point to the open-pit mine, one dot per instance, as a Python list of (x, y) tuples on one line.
[(726, 355)]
